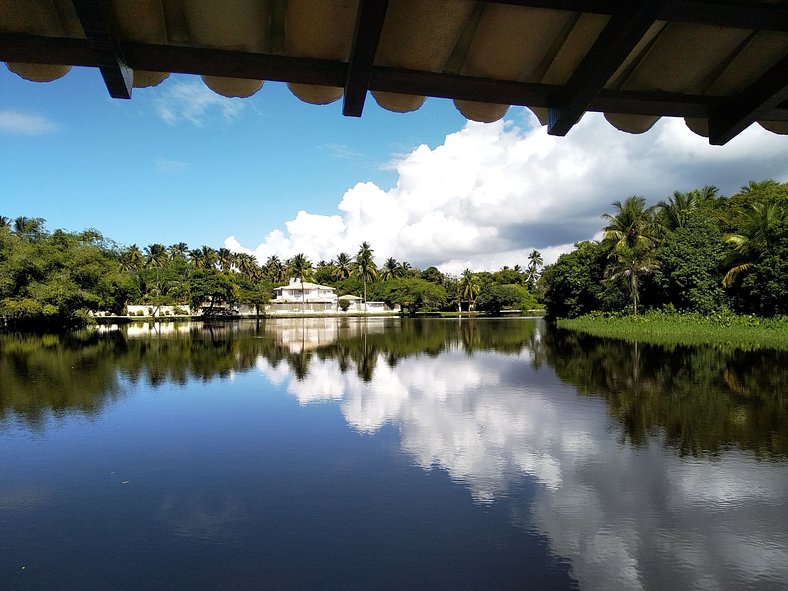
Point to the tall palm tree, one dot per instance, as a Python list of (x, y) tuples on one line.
[(469, 288), (632, 262), (343, 265), (301, 267), (758, 233), (365, 267), (534, 262), (631, 226), (405, 269), (390, 270)]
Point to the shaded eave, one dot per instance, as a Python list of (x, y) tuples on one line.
[(764, 99)]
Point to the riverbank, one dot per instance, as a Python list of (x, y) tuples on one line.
[(663, 328)]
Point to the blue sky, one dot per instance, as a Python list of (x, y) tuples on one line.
[(273, 175)]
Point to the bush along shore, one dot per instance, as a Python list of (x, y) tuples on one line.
[(668, 327)]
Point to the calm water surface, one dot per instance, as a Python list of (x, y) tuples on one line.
[(388, 454)]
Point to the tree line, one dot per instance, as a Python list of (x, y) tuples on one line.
[(697, 251), (60, 277)]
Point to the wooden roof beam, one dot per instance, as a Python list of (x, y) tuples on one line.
[(98, 23), (369, 24), (766, 93), (617, 40)]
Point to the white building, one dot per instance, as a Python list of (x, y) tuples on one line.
[(296, 297)]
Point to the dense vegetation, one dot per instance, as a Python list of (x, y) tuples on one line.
[(694, 252), (59, 278)]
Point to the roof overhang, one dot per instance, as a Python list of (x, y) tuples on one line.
[(722, 65)]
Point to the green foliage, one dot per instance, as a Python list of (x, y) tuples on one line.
[(670, 327), (412, 294), (573, 284), (344, 305), (498, 297), (690, 259)]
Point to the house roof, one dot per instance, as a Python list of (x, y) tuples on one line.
[(720, 64), (307, 285)]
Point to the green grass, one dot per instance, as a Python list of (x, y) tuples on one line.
[(671, 328)]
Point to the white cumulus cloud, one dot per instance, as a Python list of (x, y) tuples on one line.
[(491, 193)]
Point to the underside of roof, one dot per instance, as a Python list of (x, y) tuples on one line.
[(720, 64)]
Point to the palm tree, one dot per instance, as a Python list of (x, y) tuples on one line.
[(391, 269), (631, 226), (203, 257), (301, 267), (469, 288), (225, 259), (5, 222), (178, 250), (275, 269), (534, 262), (759, 186), (756, 236), (25, 227), (365, 267), (632, 262), (405, 269), (156, 256), (343, 265), (247, 265), (131, 259)]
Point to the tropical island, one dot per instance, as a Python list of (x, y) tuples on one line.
[(697, 265)]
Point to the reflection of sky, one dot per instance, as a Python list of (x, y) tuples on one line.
[(625, 517)]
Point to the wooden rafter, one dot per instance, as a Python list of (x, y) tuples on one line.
[(97, 22), (761, 96), (619, 37), (369, 24), (258, 66)]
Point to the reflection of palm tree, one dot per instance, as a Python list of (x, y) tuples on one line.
[(365, 267), (757, 234)]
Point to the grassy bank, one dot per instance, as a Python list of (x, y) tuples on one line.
[(665, 328)]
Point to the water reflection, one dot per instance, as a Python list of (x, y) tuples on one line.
[(702, 400), (669, 468)]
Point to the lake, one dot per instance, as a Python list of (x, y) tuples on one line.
[(388, 454)]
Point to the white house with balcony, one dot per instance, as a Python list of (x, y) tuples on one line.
[(296, 297)]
